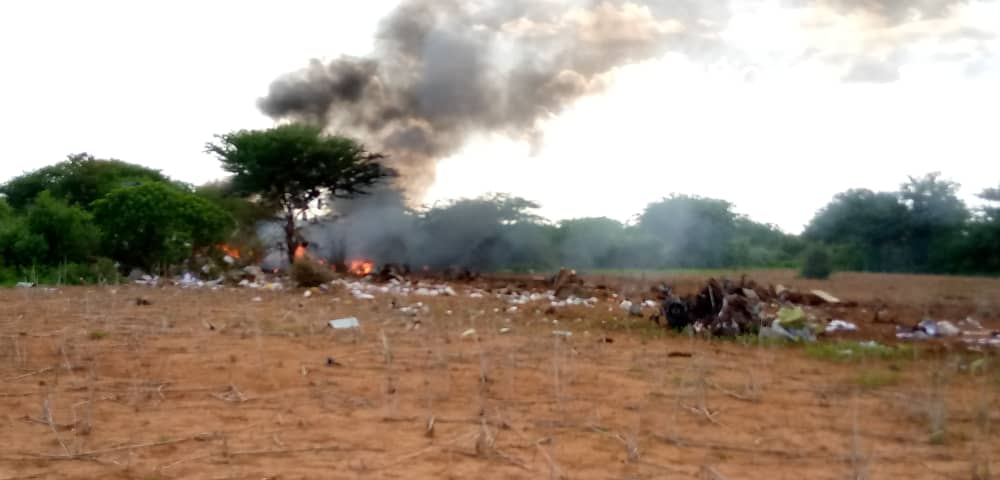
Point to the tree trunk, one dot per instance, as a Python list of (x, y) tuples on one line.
[(290, 243)]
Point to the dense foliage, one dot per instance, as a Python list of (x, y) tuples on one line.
[(923, 227), (291, 166), (88, 220), (155, 225)]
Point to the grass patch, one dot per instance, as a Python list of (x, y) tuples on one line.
[(844, 351), (872, 379), (97, 334)]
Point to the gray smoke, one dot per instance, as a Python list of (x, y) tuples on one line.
[(443, 70)]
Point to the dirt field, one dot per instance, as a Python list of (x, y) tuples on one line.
[(212, 384)]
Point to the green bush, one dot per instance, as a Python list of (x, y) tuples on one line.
[(817, 264), (69, 232), (155, 225)]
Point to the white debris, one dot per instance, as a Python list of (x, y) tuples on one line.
[(971, 324), (229, 260), (258, 299), (504, 330), (649, 304), (25, 284), (562, 333), (448, 291), (345, 323), (468, 333), (363, 296), (625, 305), (840, 326), (825, 296), (512, 309), (414, 309), (307, 293), (475, 295), (947, 329)]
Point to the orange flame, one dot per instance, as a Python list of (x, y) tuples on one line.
[(360, 267), (300, 251), (231, 251)]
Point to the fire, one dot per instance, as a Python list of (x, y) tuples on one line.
[(300, 251), (360, 267), (231, 251)]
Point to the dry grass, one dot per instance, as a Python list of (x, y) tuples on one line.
[(162, 395)]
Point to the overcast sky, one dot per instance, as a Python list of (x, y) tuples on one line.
[(808, 99)]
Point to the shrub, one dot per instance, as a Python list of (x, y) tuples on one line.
[(817, 264), (310, 274), (155, 225), (69, 232)]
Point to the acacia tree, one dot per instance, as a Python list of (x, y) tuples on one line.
[(293, 166)]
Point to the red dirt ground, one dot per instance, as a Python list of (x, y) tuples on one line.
[(151, 392)]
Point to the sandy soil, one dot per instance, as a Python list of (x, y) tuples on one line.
[(211, 384)]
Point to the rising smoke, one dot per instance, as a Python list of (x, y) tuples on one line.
[(443, 71)]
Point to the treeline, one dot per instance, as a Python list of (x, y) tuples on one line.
[(500, 232), (87, 220), (924, 227)]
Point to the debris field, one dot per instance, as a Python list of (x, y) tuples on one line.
[(569, 376)]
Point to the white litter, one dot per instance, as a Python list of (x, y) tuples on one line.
[(948, 329), (345, 323), (562, 333), (840, 326), (468, 333)]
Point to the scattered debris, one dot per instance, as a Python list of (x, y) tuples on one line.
[(345, 323), (680, 355), (826, 297), (562, 333), (231, 394), (840, 326), (468, 333), (504, 330), (970, 324), (330, 362), (948, 329), (142, 302), (25, 284)]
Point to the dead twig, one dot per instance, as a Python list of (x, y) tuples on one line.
[(47, 413), (709, 473), (93, 453), (704, 412), (730, 392), (26, 375), (231, 394)]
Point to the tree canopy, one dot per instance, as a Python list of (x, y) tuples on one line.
[(294, 165), (154, 225), (79, 180)]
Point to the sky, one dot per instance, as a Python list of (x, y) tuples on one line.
[(806, 100)]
